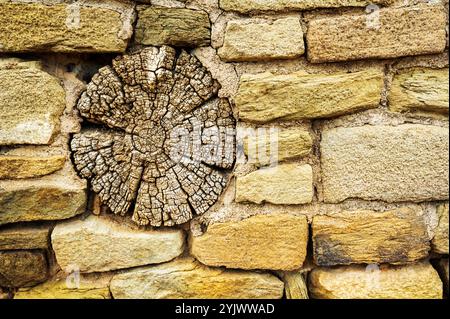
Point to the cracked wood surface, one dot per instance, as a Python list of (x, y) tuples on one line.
[(165, 141)]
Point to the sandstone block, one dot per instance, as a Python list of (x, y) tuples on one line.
[(420, 90), (266, 97), (283, 184), (99, 244), (246, 6), (417, 281), (86, 287), (368, 237), (277, 146), (254, 41), (31, 102), (50, 198), (172, 26), (390, 163), (187, 279), (440, 240), (22, 268), (275, 241), (13, 167), (65, 27), (386, 33), (24, 237)]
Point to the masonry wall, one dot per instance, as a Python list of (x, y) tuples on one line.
[(350, 201)]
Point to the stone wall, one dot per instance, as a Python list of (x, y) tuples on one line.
[(340, 184)]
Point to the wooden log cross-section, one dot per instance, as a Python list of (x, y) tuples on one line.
[(163, 142)]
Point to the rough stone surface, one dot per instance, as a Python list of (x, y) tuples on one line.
[(65, 27), (420, 90), (266, 97), (260, 242), (283, 184), (4, 294), (418, 281), (386, 33), (172, 26), (52, 198), (254, 41), (246, 6), (22, 268), (368, 237), (98, 244), (85, 287), (24, 237), (170, 143), (31, 102), (295, 285), (187, 279), (390, 163), (284, 144), (13, 167), (440, 240)]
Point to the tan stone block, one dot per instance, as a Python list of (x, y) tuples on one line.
[(276, 241), (29, 166), (50, 198), (390, 163), (248, 40), (420, 90), (25, 237), (96, 27), (31, 102), (283, 184), (417, 281), (277, 146), (4, 294), (22, 268), (368, 237), (265, 97), (187, 279), (246, 6), (85, 287), (99, 244), (172, 26), (386, 33), (440, 240)]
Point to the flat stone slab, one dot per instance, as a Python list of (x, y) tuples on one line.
[(417, 281), (276, 241), (52, 197), (247, 40), (386, 33), (283, 184), (390, 163), (266, 97), (368, 237), (25, 237), (172, 26), (420, 89), (104, 26), (31, 102), (22, 268)]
